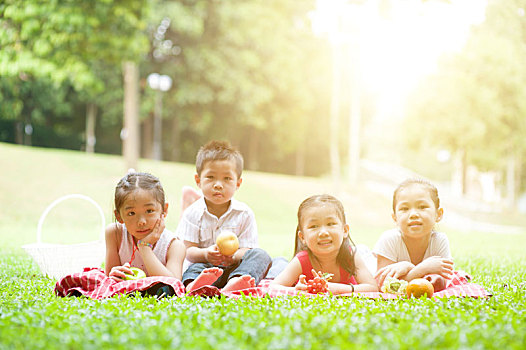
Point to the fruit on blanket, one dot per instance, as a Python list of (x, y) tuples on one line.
[(137, 274), (438, 282), (227, 243), (394, 286), (319, 284), (419, 287)]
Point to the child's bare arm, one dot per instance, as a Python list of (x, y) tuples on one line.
[(153, 265), (113, 261), (175, 258), (364, 278), (289, 276), (432, 265), (389, 268), (203, 255)]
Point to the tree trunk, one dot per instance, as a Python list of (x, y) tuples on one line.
[(147, 137), (354, 113), (19, 133), (28, 132), (511, 180), (91, 120), (174, 142), (335, 113), (253, 150), (458, 181), (130, 131), (158, 126), (300, 161)]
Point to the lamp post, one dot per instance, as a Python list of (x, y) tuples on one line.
[(160, 83)]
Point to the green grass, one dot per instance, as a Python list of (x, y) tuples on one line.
[(34, 177), (31, 317)]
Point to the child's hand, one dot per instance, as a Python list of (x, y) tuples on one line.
[(118, 273), (438, 265), (302, 284), (158, 229), (319, 284), (228, 260), (396, 270), (213, 256)]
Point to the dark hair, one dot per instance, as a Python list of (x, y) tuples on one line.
[(218, 150), (134, 181), (345, 257), (433, 192)]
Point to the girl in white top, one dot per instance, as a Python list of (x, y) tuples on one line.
[(140, 239), (414, 249)]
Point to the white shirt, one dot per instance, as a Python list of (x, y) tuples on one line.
[(199, 226), (391, 246)]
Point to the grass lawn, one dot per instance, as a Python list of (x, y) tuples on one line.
[(31, 317)]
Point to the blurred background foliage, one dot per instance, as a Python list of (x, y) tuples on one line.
[(254, 72)]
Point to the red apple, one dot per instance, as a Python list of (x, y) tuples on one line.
[(438, 282), (227, 243)]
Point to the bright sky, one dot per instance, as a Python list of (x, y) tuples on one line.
[(399, 50)]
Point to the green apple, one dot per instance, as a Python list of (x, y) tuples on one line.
[(137, 274)]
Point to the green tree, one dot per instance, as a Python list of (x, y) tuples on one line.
[(249, 71), (475, 104), (68, 42)]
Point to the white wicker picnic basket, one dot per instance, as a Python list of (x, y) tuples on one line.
[(59, 260)]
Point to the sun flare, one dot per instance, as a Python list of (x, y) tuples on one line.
[(400, 42)]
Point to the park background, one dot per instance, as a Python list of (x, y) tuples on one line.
[(340, 97), (358, 95)]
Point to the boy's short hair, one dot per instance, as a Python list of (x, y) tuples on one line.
[(218, 150)]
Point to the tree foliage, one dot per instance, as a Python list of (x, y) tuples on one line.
[(246, 71), (75, 49), (476, 102), (60, 40)]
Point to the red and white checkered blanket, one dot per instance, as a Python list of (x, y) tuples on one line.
[(94, 284), (458, 286)]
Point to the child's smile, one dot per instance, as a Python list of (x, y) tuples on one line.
[(415, 224), (322, 230), (415, 212), (325, 242)]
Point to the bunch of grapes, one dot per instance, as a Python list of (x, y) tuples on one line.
[(319, 284)]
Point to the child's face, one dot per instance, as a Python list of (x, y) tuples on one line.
[(139, 212), (322, 230), (415, 212), (218, 181)]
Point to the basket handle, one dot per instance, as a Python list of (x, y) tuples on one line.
[(63, 198)]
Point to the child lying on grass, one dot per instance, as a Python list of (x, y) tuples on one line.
[(323, 246), (415, 249)]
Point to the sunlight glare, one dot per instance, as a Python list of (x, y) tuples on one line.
[(398, 51)]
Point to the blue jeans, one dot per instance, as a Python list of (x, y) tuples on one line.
[(255, 263), (278, 265)]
